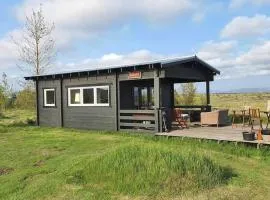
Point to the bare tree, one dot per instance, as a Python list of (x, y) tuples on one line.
[(36, 47)]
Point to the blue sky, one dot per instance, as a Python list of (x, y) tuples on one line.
[(232, 35)]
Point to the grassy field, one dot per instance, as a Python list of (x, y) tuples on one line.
[(54, 163), (235, 101), (238, 101)]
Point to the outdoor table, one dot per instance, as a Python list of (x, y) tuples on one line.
[(268, 117), (243, 115)]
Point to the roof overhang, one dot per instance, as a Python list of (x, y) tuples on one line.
[(119, 69), (194, 59)]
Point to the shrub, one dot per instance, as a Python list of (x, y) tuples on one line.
[(31, 122), (187, 96), (26, 99), (2, 99)]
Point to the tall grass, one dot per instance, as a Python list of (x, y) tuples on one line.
[(148, 170)]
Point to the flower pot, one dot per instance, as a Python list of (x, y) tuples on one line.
[(248, 136), (266, 131), (266, 135)]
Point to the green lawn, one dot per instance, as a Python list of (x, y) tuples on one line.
[(54, 163)]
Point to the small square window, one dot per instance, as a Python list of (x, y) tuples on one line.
[(49, 97)]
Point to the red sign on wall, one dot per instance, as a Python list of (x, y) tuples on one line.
[(135, 75)]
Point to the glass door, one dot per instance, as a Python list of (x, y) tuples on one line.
[(143, 97)]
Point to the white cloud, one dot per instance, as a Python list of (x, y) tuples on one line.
[(8, 53), (244, 26), (239, 3), (112, 59), (258, 55), (227, 57), (214, 50), (84, 19)]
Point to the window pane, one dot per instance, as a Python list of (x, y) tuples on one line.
[(144, 97), (50, 97), (152, 98), (102, 95), (136, 96), (75, 96), (88, 96)]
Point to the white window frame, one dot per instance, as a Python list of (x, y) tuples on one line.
[(95, 96), (45, 97)]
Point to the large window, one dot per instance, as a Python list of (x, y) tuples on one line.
[(49, 97), (88, 96)]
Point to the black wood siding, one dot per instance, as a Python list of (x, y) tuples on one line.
[(49, 116), (98, 118)]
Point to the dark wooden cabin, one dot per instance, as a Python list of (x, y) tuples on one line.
[(117, 98)]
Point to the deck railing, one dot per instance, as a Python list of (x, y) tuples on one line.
[(144, 120), (202, 108)]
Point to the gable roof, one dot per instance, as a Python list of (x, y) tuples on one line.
[(158, 64)]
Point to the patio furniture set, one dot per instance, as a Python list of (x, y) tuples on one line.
[(216, 117), (249, 117)]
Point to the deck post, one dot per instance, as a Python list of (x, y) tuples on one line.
[(37, 101), (159, 112), (117, 89), (157, 99), (61, 102), (172, 95), (207, 93)]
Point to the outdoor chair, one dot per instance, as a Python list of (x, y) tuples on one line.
[(267, 113), (255, 117), (181, 118), (243, 114), (268, 106), (217, 117)]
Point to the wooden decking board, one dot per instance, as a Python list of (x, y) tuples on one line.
[(226, 133)]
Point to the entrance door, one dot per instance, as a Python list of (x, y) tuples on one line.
[(143, 97)]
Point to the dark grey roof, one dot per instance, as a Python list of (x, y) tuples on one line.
[(145, 65)]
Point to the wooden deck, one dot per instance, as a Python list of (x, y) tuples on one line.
[(220, 134)]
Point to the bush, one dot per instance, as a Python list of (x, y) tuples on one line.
[(31, 122), (2, 99), (187, 96), (26, 99)]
